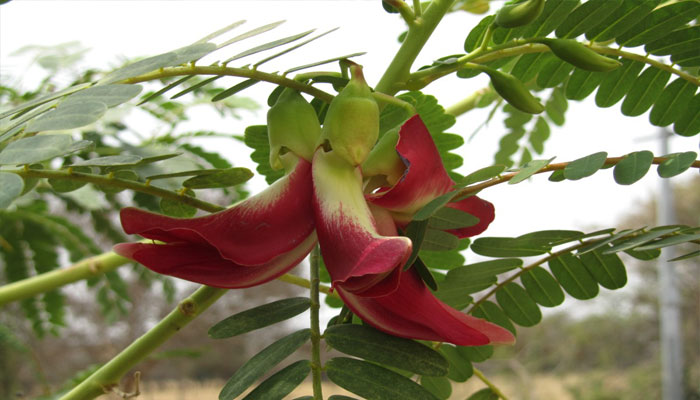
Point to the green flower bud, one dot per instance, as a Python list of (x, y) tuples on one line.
[(580, 56), (513, 91), (352, 122), (514, 15), (292, 126)]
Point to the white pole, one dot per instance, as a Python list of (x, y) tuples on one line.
[(669, 298)]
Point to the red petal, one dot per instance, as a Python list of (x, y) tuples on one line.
[(413, 312), (252, 232), (425, 177), (203, 264), (352, 249), (477, 207)]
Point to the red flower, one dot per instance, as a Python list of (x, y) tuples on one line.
[(248, 244)]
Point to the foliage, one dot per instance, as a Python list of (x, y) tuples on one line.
[(68, 164)]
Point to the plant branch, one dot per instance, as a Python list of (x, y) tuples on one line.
[(488, 383), (51, 280), (301, 282), (470, 102), (105, 180), (316, 366), (473, 189), (108, 376), (228, 71), (398, 71), (406, 13)]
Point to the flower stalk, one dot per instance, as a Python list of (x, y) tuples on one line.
[(316, 367)]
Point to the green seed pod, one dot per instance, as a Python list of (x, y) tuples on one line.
[(580, 56), (513, 91), (352, 122), (514, 15), (292, 125)]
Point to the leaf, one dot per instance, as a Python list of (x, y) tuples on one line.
[(620, 20), (174, 208), (672, 102), (372, 345), (110, 161), (461, 368), (322, 62), (425, 275), (220, 179), (439, 386), (35, 149), (235, 89), (268, 46), (582, 83), (556, 107), (477, 353), (415, 231), (12, 186), (586, 17), (256, 138), (508, 247), (476, 35), (574, 277), (539, 135), (282, 383), (438, 240), (553, 237), (371, 381), (688, 123), (529, 65), (261, 363), (259, 317), (518, 305), (617, 83), (686, 256), (462, 281), (110, 95), (633, 167), (553, 14), (28, 105), (70, 116), (528, 170), (645, 91), (542, 287), (669, 241), (585, 166), (607, 269), (451, 218), (678, 41), (493, 313), (553, 73), (484, 394), (441, 259), (433, 206), (633, 242), (482, 174), (296, 46), (660, 22), (603, 242)]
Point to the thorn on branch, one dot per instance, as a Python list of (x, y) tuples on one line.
[(134, 382)]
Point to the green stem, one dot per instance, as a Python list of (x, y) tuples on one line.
[(469, 103), (473, 189), (106, 379), (51, 280), (299, 281), (103, 180), (316, 366), (398, 71), (227, 71), (382, 98), (488, 383)]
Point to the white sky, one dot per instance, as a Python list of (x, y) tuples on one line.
[(112, 29)]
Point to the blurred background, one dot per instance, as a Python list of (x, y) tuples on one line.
[(605, 348)]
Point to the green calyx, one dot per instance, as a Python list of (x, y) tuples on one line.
[(384, 160), (351, 126), (578, 55), (292, 126), (513, 91), (519, 14)]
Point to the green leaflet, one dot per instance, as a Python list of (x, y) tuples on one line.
[(574, 277), (659, 22), (542, 287), (620, 20), (259, 317), (607, 269), (633, 167), (688, 123), (518, 305), (460, 366), (372, 345), (585, 17), (672, 102), (281, 383), (493, 313), (676, 164), (585, 166), (372, 381), (617, 83), (645, 91), (439, 386), (12, 186)]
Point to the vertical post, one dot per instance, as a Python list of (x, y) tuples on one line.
[(669, 298)]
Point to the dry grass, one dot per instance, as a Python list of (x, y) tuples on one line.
[(539, 387)]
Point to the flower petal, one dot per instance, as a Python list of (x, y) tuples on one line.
[(477, 207), (425, 177), (412, 311), (252, 232), (203, 264), (354, 253)]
